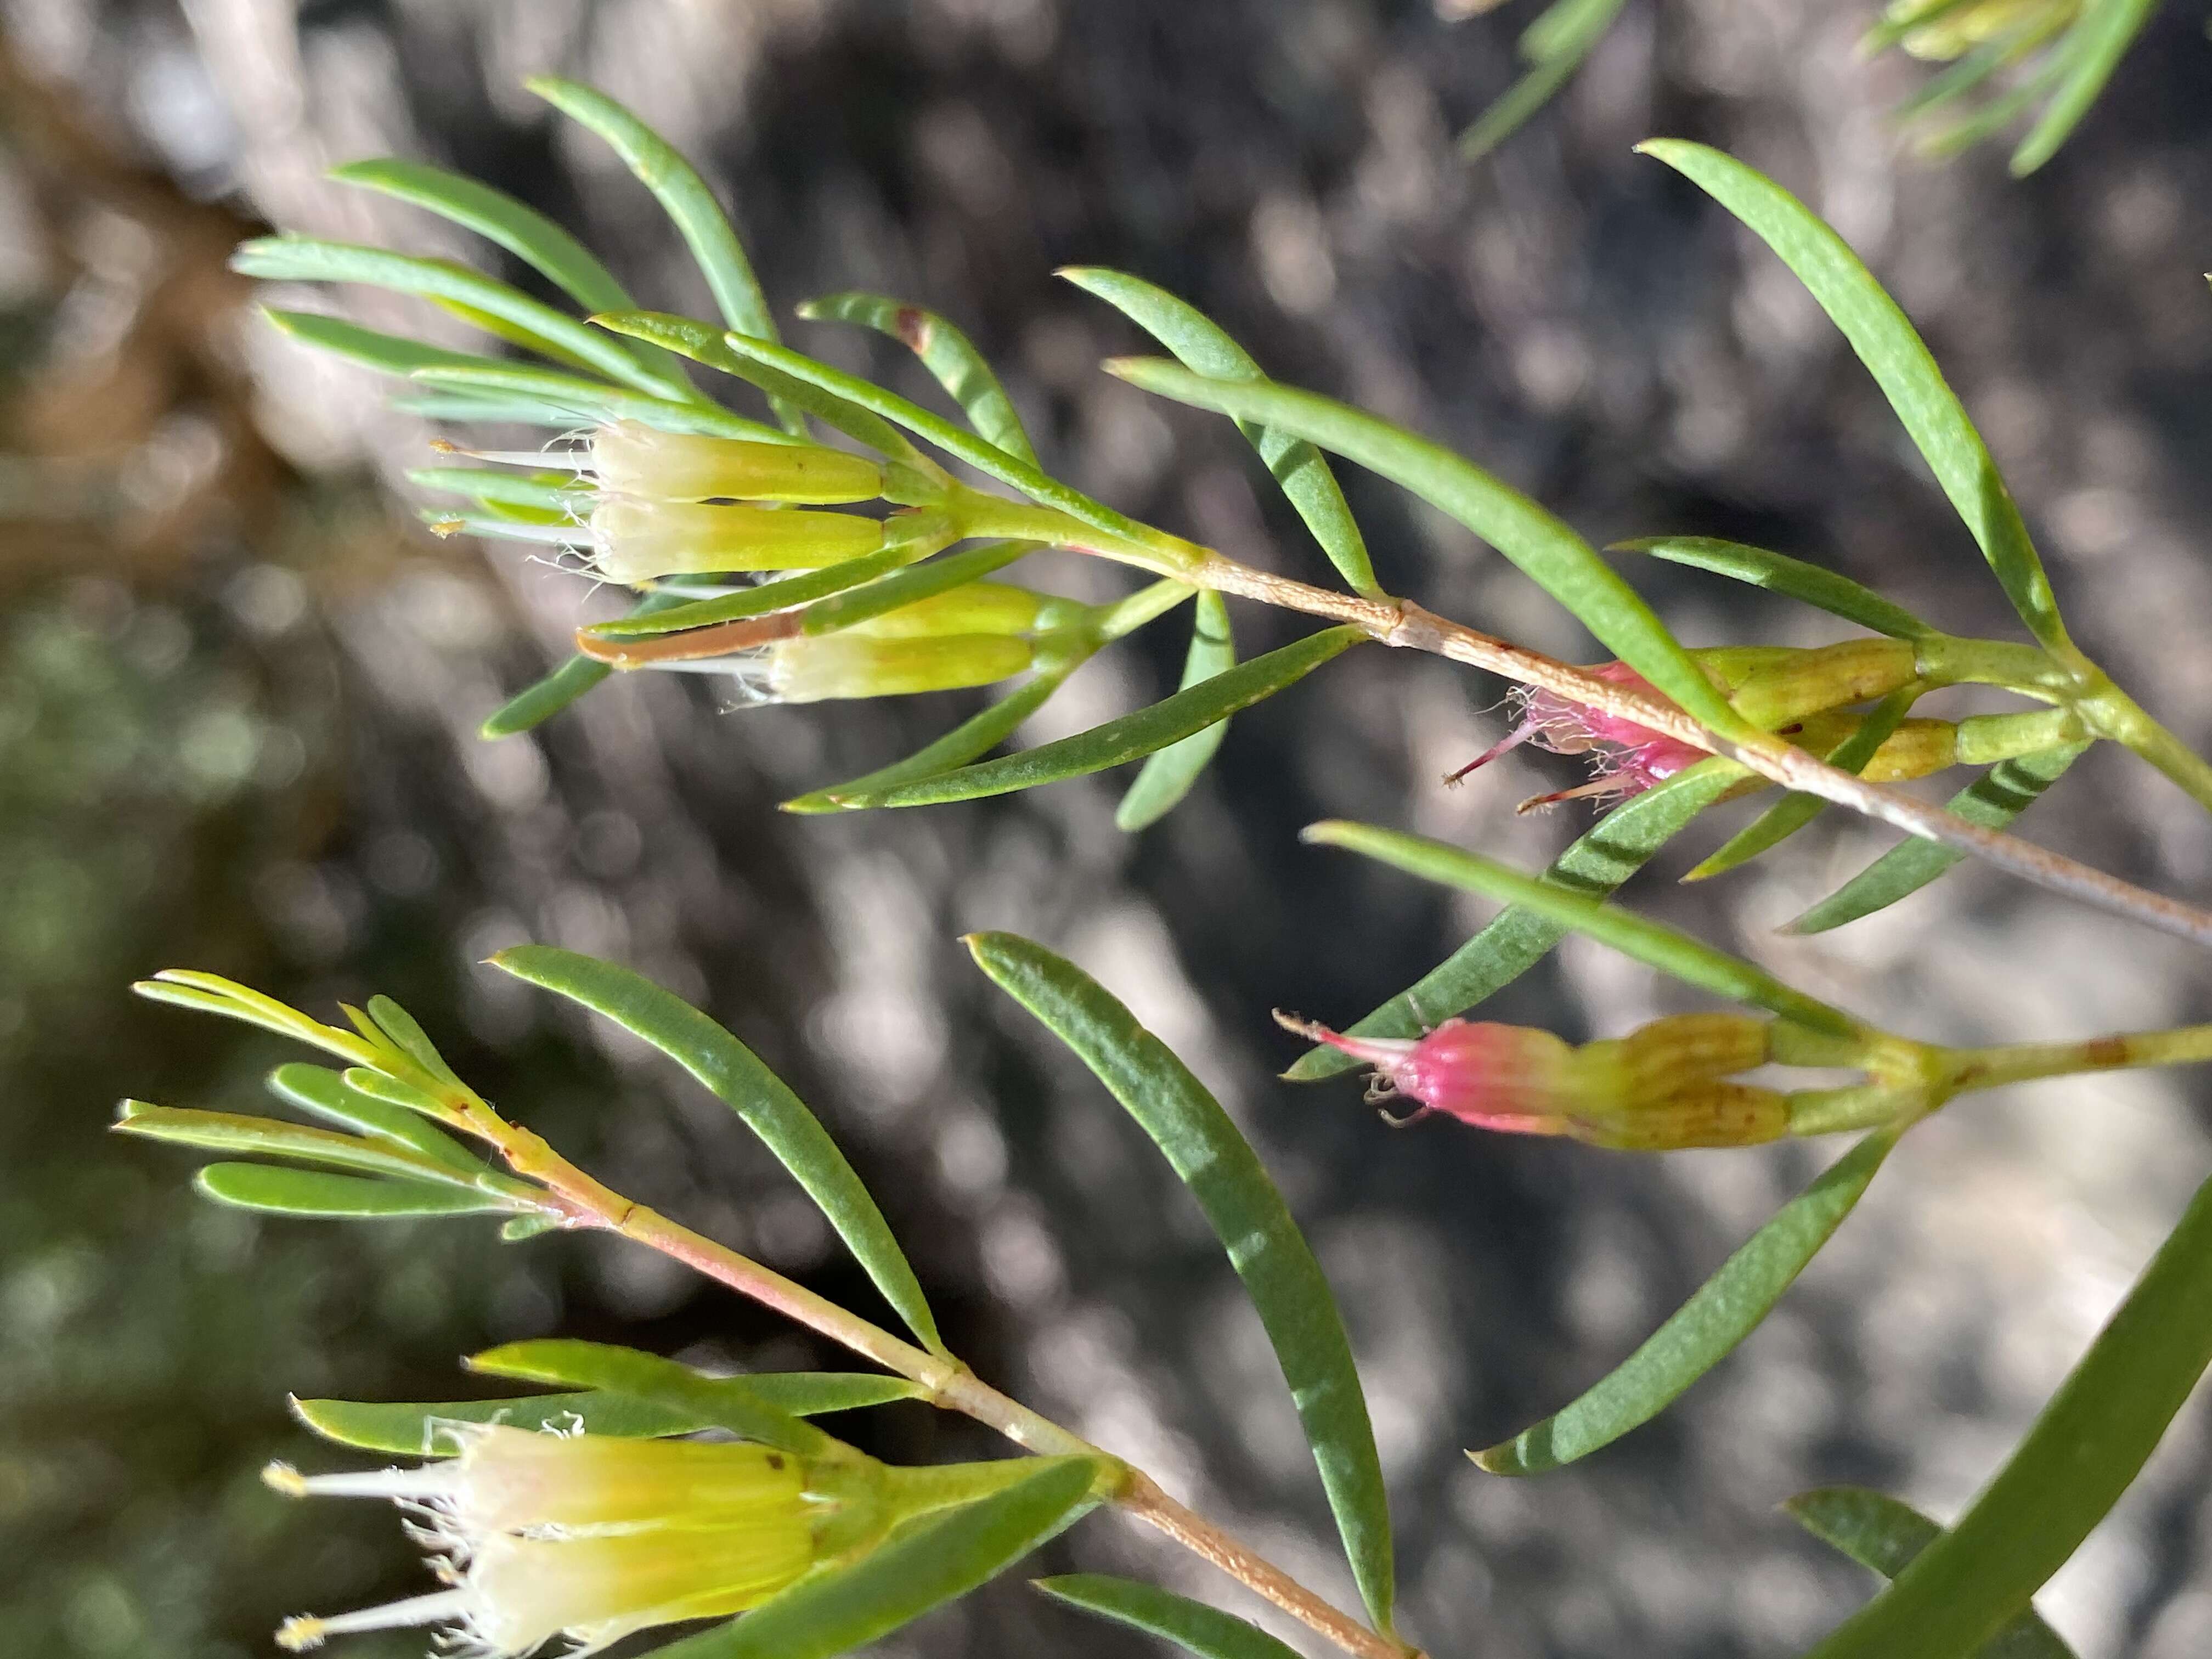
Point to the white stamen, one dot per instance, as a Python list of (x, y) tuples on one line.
[(297, 1635), (402, 1486)]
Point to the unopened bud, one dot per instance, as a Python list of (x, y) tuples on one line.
[(1829, 676), (633, 458), (972, 607), (858, 663), (1711, 1113), (635, 540), (1669, 1054), (1917, 749)]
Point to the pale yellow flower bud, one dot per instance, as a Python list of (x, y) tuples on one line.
[(632, 459), (635, 540)]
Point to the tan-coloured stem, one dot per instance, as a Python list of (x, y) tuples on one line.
[(1402, 622), (945, 1381)]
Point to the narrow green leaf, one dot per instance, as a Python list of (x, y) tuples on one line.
[(1201, 345), (2094, 47), (946, 352), (408, 1429), (1881, 1533), (1191, 1626), (779, 595), (1166, 778), (722, 1402), (2088, 1446), (536, 704), (977, 735), (408, 1035), (1518, 938), (211, 993), (1899, 361), (1794, 811), (1998, 113), (1567, 25), (1705, 1330), (1838, 595), (1127, 739), (953, 441), (922, 1566), (1993, 800), (318, 1089), (563, 495), (1968, 70), (1894, 25), (1559, 561), (1536, 89), (1665, 948), (689, 205), (519, 228), (483, 408), (593, 404), (735, 1075), (853, 605), (718, 348), (1248, 1215), (230, 1132), (389, 354), (305, 260), (312, 1193)]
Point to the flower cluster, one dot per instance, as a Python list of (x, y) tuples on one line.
[(1664, 1086)]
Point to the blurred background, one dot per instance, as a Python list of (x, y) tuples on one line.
[(238, 690)]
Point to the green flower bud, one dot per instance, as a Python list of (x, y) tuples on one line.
[(1829, 676), (635, 540), (858, 664), (974, 608)]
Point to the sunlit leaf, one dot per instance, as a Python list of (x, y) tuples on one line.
[(945, 352), (1993, 800), (1705, 1330), (736, 1076), (1191, 1626), (1881, 1533), (1559, 561), (1247, 1214), (1201, 344), (305, 260), (2092, 52), (1518, 938), (318, 1089), (2085, 1449), (279, 1191), (1838, 595), (228, 1131), (688, 203), (1899, 361), (723, 1402), (1127, 739), (1665, 948), (922, 1566), (590, 403), (1167, 776)]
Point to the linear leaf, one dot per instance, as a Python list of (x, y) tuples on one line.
[(593, 403), (1838, 595), (1899, 361), (1167, 776), (718, 348), (985, 458), (2085, 1449), (406, 1428), (1705, 1330), (1993, 800), (229, 1132), (408, 1035), (1665, 948), (1191, 1626), (853, 605), (977, 735), (946, 352), (779, 595), (923, 1566), (1127, 739), (312, 1193), (1248, 1215), (1518, 938), (486, 409), (2093, 48), (545, 492), (1556, 45), (305, 260), (536, 704), (1202, 345), (1559, 561), (318, 1089), (688, 203), (723, 1402), (1882, 1534), (1794, 811), (389, 354), (735, 1075)]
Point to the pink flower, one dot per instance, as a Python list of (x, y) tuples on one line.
[(1630, 758), (1496, 1077)]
